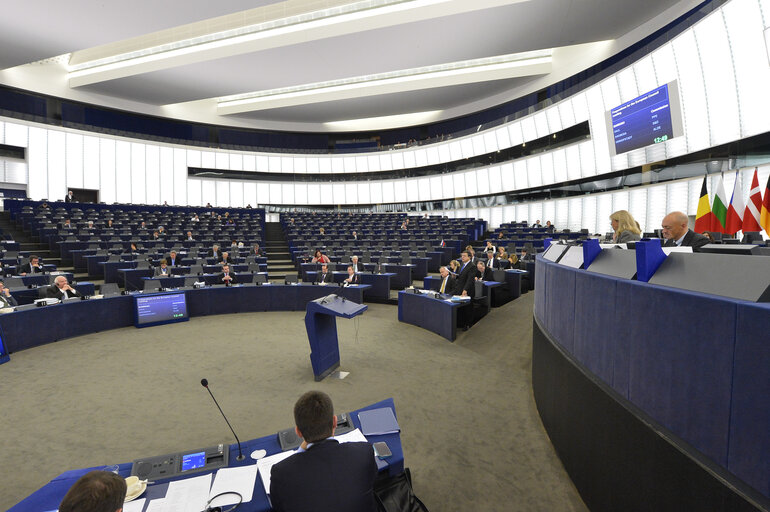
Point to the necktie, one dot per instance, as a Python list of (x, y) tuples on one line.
[(443, 285)]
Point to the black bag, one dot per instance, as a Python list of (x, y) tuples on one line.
[(395, 494)]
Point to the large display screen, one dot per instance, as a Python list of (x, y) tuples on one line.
[(651, 118), (159, 308)]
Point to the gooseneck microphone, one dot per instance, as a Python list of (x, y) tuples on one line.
[(205, 384)]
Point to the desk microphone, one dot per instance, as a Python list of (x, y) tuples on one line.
[(205, 384)]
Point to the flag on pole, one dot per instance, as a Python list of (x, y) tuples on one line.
[(735, 210), (703, 218), (764, 218), (753, 206), (719, 208)]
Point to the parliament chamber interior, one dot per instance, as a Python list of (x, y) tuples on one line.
[(542, 245)]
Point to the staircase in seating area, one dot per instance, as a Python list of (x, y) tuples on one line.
[(29, 243), (277, 251)]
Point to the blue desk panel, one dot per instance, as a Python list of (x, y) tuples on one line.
[(433, 314)]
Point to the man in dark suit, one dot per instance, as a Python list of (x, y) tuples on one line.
[(492, 262), (69, 198), (257, 252), (33, 266), (225, 258), (465, 283), (357, 265), (677, 233), (483, 273), (61, 289), (324, 475), (227, 277), (6, 299), (173, 259), (352, 278), (324, 276), (448, 281), (214, 252)]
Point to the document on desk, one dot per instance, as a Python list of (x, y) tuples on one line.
[(240, 480), (134, 506), (354, 436), (265, 464), (378, 421), (188, 495)]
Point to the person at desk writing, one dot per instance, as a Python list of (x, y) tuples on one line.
[(33, 266), (677, 233), (324, 276), (483, 273), (352, 278), (162, 270), (227, 277), (625, 228), (96, 491), (514, 263), (324, 475), (6, 299), (61, 289)]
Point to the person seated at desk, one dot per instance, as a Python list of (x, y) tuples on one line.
[(155, 235), (513, 262), (324, 276), (162, 270), (256, 251), (355, 235), (319, 257), (357, 265), (489, 247), (67, 225), (625, 228), (448, 281), (352, 278), (526, 256), (454, 267), (195, 218), (6, 299), (483, 273), (226, 276), (226, 259), (173, 259), (214, 252), (549, 227), (236, 244), (70, 198), (493, 262), (321, 231), (537, 224), (96, 491), (132, 249), (500, 236), (162, 231), (324, 475), (61, 289), (190, 237), (33, 266), (677, 233), (501, 254)]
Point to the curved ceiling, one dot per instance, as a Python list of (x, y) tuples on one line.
[(351, 60)]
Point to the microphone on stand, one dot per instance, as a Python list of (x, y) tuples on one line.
[(205, 384)]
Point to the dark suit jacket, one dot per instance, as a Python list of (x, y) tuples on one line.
[(358, 267), (496, 263), (177, 261), (27, 268), (7, 301), (487, 275), (450, 285), (68, 199), (328, 477), (217, 255), (691, 239), (53, 292), (328, 278), (354, 279), (465, 279), (221, 275)]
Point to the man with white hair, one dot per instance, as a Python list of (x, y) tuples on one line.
[(678, 234), (61, 289)]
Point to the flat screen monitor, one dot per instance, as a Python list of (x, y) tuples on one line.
[(159, 308), (554, 252), (652, 118), (573, 257)]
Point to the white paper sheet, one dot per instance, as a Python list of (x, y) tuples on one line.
[(267, 463), (188, 495), (134, 506), (240, 480), (354, 436)]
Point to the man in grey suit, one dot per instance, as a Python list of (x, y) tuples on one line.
[(677, 233)]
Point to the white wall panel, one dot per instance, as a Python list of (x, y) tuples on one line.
[(399, 189), (362, 164), (479, 147), (122, 171), (580, 107), (541, 124), (420, 158), (274, 164), (644, 75), (388, 195), (455, 150), (300, 193), (467, 147), (423, 184), (74, 150), (507, 174), (534, 175), (300, 165), (287, 193), (106, 170), (287, 164), (560, 217), (448, 186), (137, 174), (596, 108), (436, 188), (152, 174), (339, 193), (91, 162), (236, 161), (275, 193), (522, 214), (263, 163), (16, 172), (692, 91), (412, 189), (397, 158), (503, 138), (718, 76), (167, 173), (620, 200), (745, 28), (554, 119), (458, 180), (566, 113), (528, 129), (588, 204), (351, 193), (250, 193), (588, 160), (222, 160), (57, 165), (236, 194), (2, 132), (490, 141), (603, 211), (364, 197), (313, 193), (180, 178), (520, 174), (575, 214), (495, 218), (375, 192), (324, 165), (471, 183), (250, 162), (349, 164), (536, 213), (560, 165), (337, 164), (208, 160), (38, 163), (443, 153), (637, 205), (17, 135), (656, 208), (627, 89), (195, 192), (386, 162), (209, 192), (495, 180), (373, 163), (546, 168)]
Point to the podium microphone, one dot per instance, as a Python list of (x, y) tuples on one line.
[(205, 384)]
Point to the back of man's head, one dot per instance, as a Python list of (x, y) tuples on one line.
[(314, 416), (96, 491)]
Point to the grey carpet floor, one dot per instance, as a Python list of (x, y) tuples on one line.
[(470, 429)]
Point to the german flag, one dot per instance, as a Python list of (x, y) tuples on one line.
[(764, 217), (704, 219)]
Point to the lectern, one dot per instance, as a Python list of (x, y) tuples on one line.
[(321, 328)]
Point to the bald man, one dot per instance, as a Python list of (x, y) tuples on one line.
[(61, 289), (677, 233)]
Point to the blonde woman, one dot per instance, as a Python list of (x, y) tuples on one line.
[(625, 227)]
